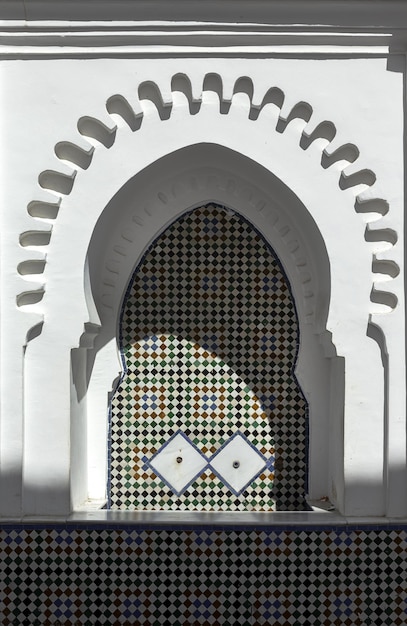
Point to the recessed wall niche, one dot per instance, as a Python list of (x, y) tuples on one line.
[(208, 414), (124, 219), (139, 221)]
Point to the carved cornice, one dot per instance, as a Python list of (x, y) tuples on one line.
[(165, 39), (336, 13), (144, 28)]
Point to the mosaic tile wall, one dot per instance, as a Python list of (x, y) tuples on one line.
[(85, 577), (209, 415)]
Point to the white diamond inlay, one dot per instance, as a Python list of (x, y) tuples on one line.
[(237, 463), (178, 463)]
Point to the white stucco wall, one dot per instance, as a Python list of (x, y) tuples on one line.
[(359, 460)]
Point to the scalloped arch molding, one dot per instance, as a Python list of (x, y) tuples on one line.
[(78, 156), (118, 149)]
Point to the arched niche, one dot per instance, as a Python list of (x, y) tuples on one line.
[(150, 165), (209, 340), (314, 231), (141, 210)]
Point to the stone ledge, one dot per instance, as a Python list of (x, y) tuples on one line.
[(184, 520)]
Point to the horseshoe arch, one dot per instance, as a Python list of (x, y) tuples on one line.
[(234, 152)]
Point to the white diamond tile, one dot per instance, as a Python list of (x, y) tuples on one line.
[(237, 463), (178, 462)]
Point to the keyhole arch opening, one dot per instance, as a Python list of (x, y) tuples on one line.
[(209, 338)]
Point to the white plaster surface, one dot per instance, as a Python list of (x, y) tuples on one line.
[(54, 402)]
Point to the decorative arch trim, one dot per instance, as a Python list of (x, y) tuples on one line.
[(155, 198), (100, 135), (238, 121), (206, 182)]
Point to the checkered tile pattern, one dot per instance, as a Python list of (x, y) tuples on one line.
[(86, 577), (209, 336)]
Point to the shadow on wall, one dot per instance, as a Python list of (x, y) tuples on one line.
[(209, 336)]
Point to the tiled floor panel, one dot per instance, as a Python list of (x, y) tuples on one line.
[(75, 577)]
